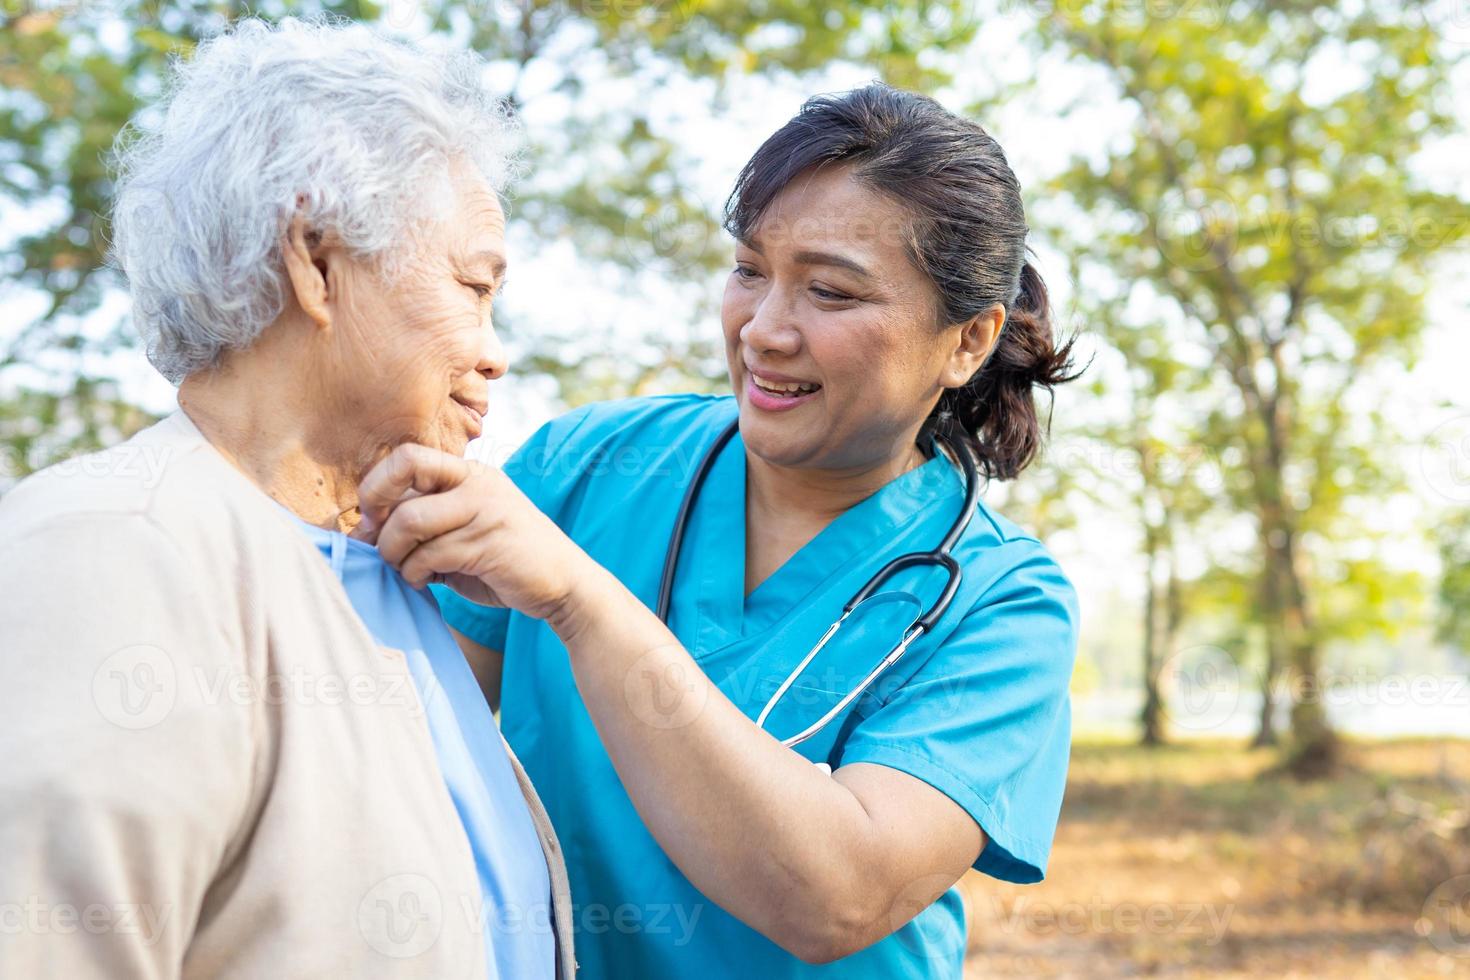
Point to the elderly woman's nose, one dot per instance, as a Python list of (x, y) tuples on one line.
[(772, 326), (493, 362)]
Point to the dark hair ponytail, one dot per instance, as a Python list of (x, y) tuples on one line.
[(967, 234), (996, 411)]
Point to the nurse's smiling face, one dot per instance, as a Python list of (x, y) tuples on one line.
[(835, 351)]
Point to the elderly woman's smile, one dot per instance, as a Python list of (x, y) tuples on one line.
[(409, 352)]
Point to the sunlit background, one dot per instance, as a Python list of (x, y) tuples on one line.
[(1255, 215)]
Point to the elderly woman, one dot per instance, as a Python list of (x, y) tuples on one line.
[(236, 743)]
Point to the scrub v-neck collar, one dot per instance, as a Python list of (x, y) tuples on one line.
[(724, 613)]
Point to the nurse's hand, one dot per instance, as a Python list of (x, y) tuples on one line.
[(440, 518)]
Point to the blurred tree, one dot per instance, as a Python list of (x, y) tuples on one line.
[(1267, 197), (1153, 451), (604, 177), (1454, 584)]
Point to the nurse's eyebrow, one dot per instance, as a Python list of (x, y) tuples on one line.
[(827, 258), (809, 257)]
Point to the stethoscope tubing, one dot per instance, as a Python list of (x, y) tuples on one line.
[(940, 555)]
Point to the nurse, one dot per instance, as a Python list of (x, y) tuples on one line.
[(879, 310)]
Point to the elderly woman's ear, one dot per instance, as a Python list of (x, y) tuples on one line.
[(303, 254)]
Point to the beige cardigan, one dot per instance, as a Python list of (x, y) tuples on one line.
[(208, 768)]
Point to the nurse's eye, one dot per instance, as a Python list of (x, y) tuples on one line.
[(829, 295), (745, 273)]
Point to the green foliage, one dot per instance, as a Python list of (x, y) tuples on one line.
[(1264, 223)]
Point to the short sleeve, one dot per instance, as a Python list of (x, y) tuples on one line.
[(549, 478), (987, 719)]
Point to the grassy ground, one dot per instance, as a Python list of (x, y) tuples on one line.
[(1198, 861)]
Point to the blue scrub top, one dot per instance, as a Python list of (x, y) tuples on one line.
[(515, 887), (978, 708)]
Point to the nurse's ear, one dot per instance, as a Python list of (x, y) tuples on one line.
[(975, 340)]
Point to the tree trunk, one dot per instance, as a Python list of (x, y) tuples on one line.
[(1152, 716), (1314, 751), (1293, 653), (1275, 656)]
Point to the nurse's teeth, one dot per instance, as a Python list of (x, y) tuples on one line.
[(786, 389)]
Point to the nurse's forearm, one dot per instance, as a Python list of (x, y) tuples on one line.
[(764, 833)]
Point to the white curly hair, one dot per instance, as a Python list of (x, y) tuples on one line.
[(356, 131)]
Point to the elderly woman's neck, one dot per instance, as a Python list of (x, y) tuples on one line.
[(267, 432)]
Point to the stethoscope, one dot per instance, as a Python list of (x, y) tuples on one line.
[(939, 556)]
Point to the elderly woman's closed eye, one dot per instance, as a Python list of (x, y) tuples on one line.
[(314, 783)]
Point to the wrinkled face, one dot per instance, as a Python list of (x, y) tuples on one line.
[(831, 333), (410, 358)]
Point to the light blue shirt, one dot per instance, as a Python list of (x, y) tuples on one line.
[(977, 708), (515, 886)]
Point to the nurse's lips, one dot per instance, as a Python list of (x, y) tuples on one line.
[(759, 391)]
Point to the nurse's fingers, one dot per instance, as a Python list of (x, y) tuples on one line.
[(408, 469), (420, 519), (436, 559)]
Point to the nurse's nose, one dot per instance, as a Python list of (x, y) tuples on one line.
[(773, 328)]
